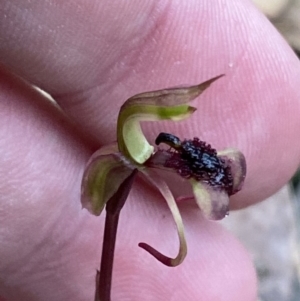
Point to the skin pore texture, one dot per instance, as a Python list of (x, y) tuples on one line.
[(91, 56)]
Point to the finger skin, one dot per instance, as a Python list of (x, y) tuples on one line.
[(86, 61), (52, 247), (90, 63)]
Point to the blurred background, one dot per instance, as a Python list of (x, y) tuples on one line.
[(285, 15), (271, 230)]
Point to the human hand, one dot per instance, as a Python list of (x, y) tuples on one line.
[(91, 56)]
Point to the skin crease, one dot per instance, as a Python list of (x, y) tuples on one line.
[(91, 56)]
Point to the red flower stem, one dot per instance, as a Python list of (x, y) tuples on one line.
[(113, 209), (105, 274)]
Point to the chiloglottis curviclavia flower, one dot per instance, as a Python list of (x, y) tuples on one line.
[(213, 175)]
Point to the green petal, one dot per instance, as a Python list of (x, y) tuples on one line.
[(237, 162), (155, 180), (152, 106), (213, 201), (104, 174)]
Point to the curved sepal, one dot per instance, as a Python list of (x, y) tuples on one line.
[(104, 173), (155, 180), (152, 106)]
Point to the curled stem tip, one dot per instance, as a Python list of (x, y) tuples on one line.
[(159, 256), (168, 261)]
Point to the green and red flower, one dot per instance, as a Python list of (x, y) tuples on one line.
[(212, 175)]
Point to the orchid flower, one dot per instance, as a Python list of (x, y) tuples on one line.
[(213, 175)]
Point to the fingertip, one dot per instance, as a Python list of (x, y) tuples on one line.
[(217, 266)]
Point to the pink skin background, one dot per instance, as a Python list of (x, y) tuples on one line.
[(91, 56)]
